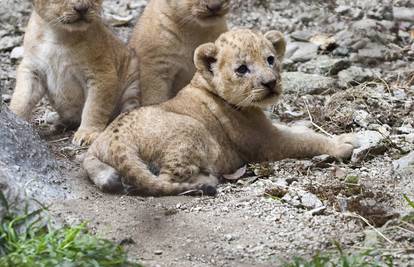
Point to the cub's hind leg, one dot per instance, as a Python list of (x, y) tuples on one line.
[(188, 165)]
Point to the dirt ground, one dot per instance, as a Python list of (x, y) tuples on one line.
[(349, 67)]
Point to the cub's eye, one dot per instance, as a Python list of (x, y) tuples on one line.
[(243, 69), (271, 60)]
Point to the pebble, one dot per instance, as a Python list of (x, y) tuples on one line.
[(302, 36), (52, 117), (404, 164), (9, 42), (354, 76), (305, 52), (369, 143), (6, 98), (301, 198), (403, 14), (17, 53), (409, 138)]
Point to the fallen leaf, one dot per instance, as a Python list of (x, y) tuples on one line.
[(117, 21), (237, 175), (324, 41)]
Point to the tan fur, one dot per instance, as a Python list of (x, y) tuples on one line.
[(165, 38), (88, 74), (212, 127)]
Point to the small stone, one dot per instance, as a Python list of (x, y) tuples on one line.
[(6, 98), (310, 201), (341, 51), (158, 252), (17, 53), (302, 199), (403, 14), (339, 172), (404, 164), (7, 43), (354, 76), (405, 129), (360, 44), (342, 10), (373, 53), (52, 117), (362, 118), (302, 36), (276, 191), (409, 138), (229, 237), (369, 143), (305, 52)]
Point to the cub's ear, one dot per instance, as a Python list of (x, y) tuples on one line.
[(204, 56), (278, 42)]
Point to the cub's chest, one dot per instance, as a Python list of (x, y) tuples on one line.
[(60, 66)]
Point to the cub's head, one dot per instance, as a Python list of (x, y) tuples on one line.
[(243, 67), (202, 12), (71, 15)]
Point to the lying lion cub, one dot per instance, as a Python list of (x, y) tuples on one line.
[(72, 57), (212, 127), (165, 38)]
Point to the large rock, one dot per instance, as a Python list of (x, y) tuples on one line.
[(303, 83), (27, 168)]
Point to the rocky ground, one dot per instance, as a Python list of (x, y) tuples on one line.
[(349, 68)]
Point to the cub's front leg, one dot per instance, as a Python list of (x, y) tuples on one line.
[(300, 142), (101, 99), (28, 92)]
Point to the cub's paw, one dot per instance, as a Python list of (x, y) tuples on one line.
[(344, 145), (85, 137)]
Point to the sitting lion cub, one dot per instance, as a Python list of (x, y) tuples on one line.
[(72, 57), (165, 38), (212, 127)]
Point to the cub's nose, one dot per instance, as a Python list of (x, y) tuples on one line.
[(81, 9), (214, 7), (270, 85)]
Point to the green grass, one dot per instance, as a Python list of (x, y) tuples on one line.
[(340, 258), (27, 240), (410, 216), (409, 201)]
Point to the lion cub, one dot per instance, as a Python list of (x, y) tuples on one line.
[(165, 38), (212, 127), (72, 57)]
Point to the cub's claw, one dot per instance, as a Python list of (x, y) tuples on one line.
[(85, 137)]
